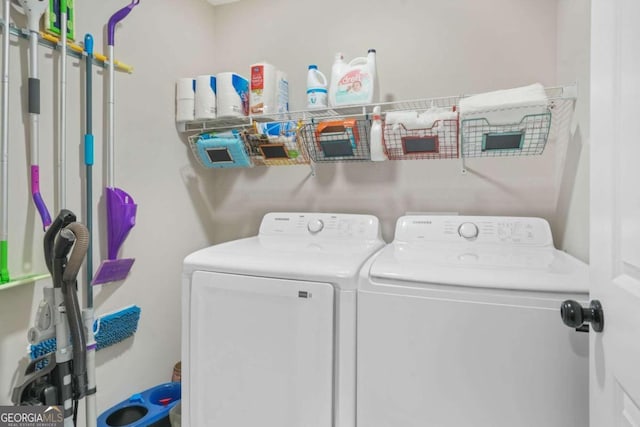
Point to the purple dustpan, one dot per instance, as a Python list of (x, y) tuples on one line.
[(121, 217)]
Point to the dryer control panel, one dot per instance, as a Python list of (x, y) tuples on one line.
[(520, 231), (347, 226)]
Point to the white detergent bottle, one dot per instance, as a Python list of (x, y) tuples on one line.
[(354, 83), (316, 88), (337, 69), (376, 144)]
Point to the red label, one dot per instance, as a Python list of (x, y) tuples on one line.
[(257, 77), (351, 77)]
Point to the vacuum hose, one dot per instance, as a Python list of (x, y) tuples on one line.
[(64, 218), (80, 234)]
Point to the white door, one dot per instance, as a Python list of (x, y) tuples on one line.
[(615, 212), (261, 352)]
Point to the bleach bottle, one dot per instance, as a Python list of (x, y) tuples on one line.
[(354, 83), (316, 88)]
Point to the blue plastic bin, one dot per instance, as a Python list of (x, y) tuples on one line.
[(147, 409)]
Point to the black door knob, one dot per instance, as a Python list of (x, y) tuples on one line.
[(574, 315)]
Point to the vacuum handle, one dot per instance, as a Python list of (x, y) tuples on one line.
[(117, 17), (64, 218)]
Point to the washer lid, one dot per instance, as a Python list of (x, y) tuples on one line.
[(314, 247), (488, 252), (486, 266)]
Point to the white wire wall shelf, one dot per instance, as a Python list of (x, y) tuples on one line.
[(342, 134)]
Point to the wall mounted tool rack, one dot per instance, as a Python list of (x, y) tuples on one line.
[(73, 50)]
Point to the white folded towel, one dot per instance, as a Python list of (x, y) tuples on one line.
[(505, 106), (412, 120)]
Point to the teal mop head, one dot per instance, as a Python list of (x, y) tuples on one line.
[(108, 330), (115, 327)]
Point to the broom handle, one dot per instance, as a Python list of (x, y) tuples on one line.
[(4, 151)]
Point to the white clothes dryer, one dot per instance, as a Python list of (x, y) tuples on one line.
[(459, 325), (269, 323)]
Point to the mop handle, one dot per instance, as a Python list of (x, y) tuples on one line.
[(34, 114), (117, 17), (4, 151), (62, 135), (111, 31), (88, 161)]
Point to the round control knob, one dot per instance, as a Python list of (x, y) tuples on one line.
[(468, 230), (315, 226)]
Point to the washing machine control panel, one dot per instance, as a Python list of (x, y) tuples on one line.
[(518, 231), (348, 226)]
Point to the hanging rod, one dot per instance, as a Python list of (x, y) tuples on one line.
[(74, 50)]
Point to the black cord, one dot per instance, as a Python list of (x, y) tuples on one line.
[(75, 412)]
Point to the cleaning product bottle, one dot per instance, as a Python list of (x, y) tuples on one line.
[(337, 69), (376, 145), (354, 83), (316, 88)]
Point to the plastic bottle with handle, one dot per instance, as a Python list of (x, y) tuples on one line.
[(316, 88), (375, 141)]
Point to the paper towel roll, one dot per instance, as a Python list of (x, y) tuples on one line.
[(232, 95), (185, 99), (205, 98)]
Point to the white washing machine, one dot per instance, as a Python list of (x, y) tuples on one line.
[(459, 325), (269, 323)]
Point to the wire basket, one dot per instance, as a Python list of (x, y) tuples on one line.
[(440, 141), (275, 144), (251, 146), (480, 138), (337, 140), (211, 152)]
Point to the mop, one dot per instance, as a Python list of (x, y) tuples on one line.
[(4, 152), (88, 313), (62, 132), (34, 9), (121, 209)]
